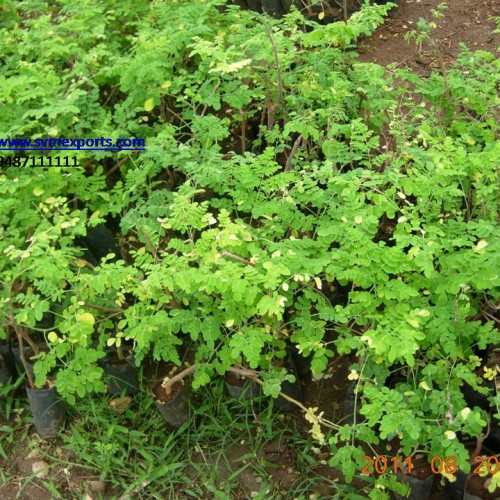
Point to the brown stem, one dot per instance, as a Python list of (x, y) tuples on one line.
[(25, 364), (288, 164), (243, 135), (230, 255), (117, 165), (209, 97), (278, 66), (254, 376), (28, 339), (279, 104), (168, 383), (103, 309), (119, 352), (20, 334), (149, 246), (479, 443)]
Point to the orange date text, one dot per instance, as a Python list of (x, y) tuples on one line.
[(381, 464)]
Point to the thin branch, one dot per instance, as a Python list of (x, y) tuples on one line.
[(168, 383), (103, 309), (27, 338), (280, 101), (243, 136), (204, 110), (295, 147), (117, 165), (252, 375), (20, 334), (25, 364), (277, 62), (149, 246), (230, 255)]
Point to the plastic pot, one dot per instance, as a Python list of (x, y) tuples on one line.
[(4, 372), (477, 489), (175, 407), (47, 320), (292, 389), (100, 242), (420, 489), (492, 441), (121, 376), (455, 490), (28, 355), (474, 398), (302, 363), (241, 388), (47, 410), (16, 353)]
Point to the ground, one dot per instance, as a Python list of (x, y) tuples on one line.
[(466, 21)]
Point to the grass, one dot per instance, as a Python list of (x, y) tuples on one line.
[(219, 453)]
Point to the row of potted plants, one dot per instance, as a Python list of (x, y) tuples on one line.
[(171, 394)]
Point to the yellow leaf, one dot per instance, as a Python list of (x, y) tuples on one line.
[(481, 244), (80, 263), (166, 85), (110, 341), (149, 104), (450, 435), (285, 286), (465, 413), (230, 323), (413, 322), (86, 318), (424, 385), (358, 219), (321, 15), (38, 191), (451, 477), (52, 337)]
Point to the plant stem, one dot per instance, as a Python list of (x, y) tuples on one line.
[(25, 364), (21, 335), (230, 255), (168, 383), (288, 165), (103, 309)]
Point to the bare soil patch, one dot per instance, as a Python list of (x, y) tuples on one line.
[(465, 21)]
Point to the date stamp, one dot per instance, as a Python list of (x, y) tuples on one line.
[(38, 161), (381, 464)]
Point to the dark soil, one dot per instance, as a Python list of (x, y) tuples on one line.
[(465, 21), (233, 379), (161, 395)]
